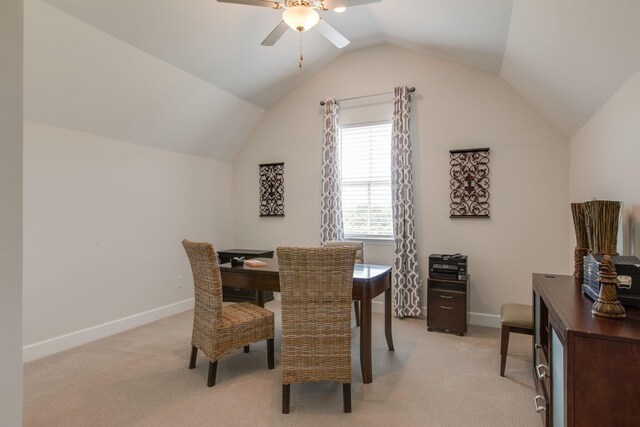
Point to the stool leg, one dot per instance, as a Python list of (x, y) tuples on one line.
[(504, 347)]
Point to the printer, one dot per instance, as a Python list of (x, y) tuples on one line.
[(448, 267)]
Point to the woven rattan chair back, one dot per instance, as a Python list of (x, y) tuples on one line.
[(351, 244), (316, 286), (207, 289), (359, 260)]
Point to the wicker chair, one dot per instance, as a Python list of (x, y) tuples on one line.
[(219, 330), (316, 286), (359, 260)]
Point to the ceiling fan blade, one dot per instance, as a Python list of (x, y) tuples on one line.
[(332, 34), (275, 35), (334, 4), (265, 3)]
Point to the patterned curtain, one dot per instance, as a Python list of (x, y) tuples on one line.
[(331, 202), (405, 274)]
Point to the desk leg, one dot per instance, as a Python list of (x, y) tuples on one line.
[(260, 298), (387, 318), (365, 336)]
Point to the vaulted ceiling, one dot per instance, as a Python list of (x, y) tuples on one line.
[(565, 57)]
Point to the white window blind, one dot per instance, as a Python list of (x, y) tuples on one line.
[(366, 180)]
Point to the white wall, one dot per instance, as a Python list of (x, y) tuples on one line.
[(106, 205), (454, 107), (103, 222), (605, 155), (11, 12)]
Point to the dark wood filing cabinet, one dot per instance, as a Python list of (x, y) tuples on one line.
[(240, 294), (586, 369), (447, 305)]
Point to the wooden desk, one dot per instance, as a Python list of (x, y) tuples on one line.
[(241, 295), (369, 281)]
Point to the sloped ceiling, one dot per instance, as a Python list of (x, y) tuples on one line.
[(569, 57), (220, 42), (80, 78), (566, 57)]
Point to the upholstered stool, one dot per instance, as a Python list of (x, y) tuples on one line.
[(516, 318)]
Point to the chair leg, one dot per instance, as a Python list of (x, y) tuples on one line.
[(270, 353), (356, 308), (194, 354), (286, 395), (346, 397), (213, 367), (246, 349), (504, 347)]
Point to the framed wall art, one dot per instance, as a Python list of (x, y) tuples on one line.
[(272, 189), (469, 183)]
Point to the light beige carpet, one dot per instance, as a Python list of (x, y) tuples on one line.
[(140, 378)]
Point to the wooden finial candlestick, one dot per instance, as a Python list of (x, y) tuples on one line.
[(608, 305)]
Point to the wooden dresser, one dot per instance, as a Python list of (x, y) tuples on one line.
[(586, 368)]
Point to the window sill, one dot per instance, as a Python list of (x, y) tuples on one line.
[(382, 241)]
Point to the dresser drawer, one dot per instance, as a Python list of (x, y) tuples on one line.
[(446, 314), (446, 297)]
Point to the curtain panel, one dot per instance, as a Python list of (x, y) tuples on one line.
[(331, 226), (405, 274)]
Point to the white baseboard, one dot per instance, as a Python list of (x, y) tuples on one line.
[(377, 306), (478, 319), (63, 342), (483, 319)]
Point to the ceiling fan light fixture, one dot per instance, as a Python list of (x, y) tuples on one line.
[(300, 18)]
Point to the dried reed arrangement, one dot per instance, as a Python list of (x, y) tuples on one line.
[(602, 218), (582, 239)]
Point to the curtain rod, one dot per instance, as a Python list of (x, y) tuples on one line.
[(411, 89)]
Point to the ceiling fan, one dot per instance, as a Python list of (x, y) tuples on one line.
[(302, 15)]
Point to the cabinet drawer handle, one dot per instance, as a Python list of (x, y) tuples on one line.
[(539, 408), (446, 296), (446, 308), (542, 375)]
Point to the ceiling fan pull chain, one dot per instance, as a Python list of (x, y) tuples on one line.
[(301, 57)]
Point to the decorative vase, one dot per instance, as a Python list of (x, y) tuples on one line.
[(578, 261), (582, 239)]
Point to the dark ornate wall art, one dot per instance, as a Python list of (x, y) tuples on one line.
[(469, 183), (272, 189)]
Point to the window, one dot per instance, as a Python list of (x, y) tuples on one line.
[(366, 180)]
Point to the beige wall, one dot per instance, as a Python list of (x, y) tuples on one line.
[(11, 212), (454, 107), (605, 154), (103, 222), (108, 196)]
